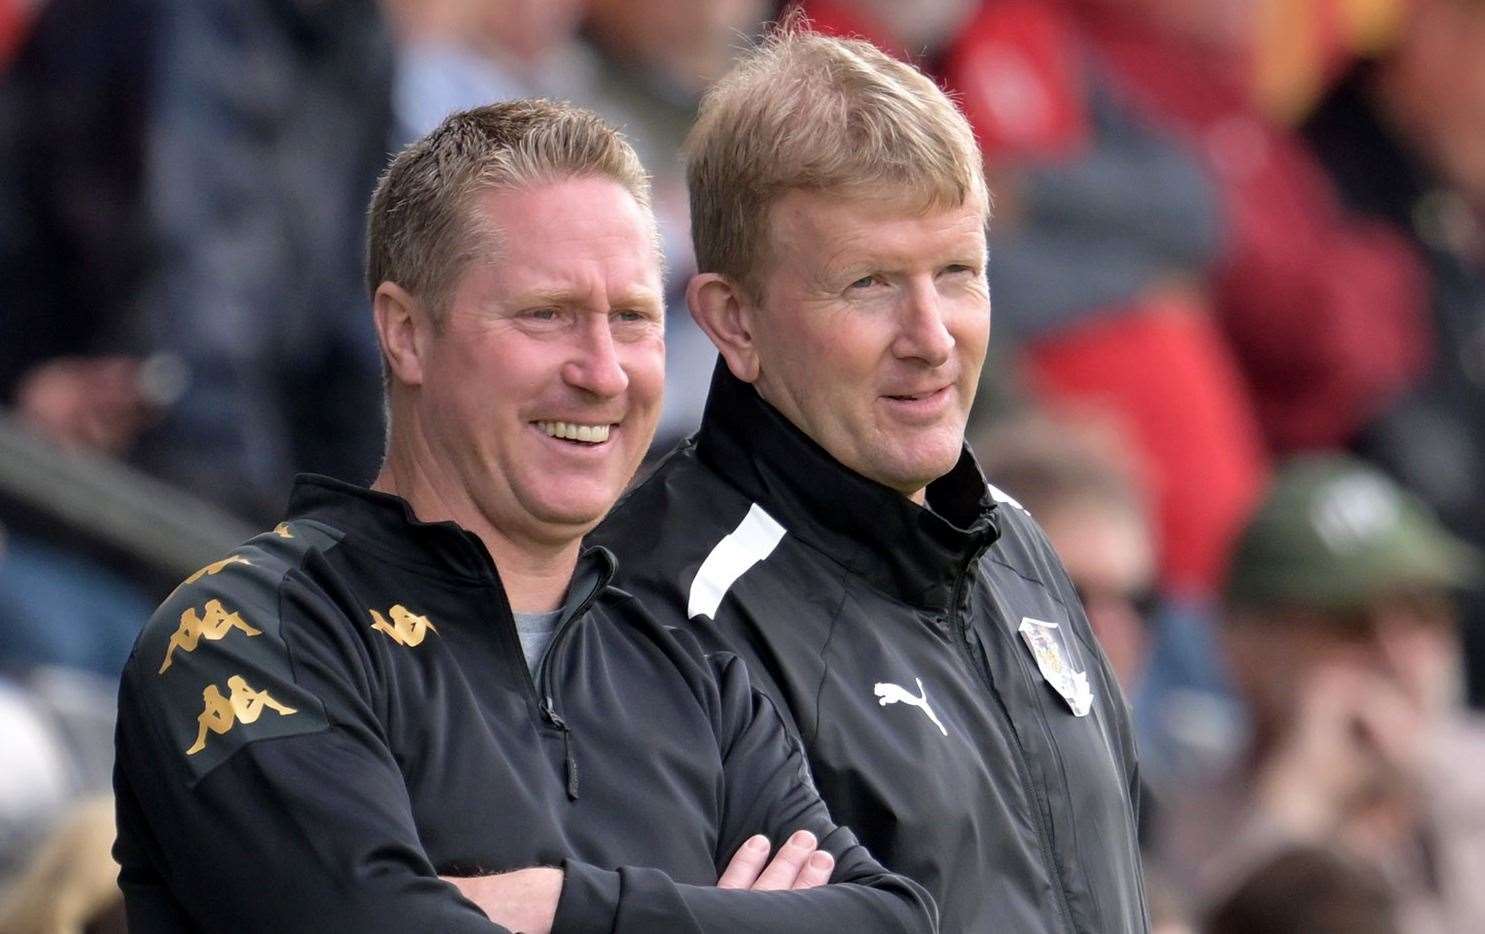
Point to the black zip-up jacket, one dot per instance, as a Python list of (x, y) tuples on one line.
[(892, 636), (316, 727)]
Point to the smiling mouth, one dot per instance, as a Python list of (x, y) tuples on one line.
[(573, 431)]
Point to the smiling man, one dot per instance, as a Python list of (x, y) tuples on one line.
[(828, 523), (421, 706)]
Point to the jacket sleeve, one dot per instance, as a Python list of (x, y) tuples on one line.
[(768, 791), (255, 789)]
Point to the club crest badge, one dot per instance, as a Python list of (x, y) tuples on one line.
[(1054, 657)]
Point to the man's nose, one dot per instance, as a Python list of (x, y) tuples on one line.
[(594, 364), (923, 333)]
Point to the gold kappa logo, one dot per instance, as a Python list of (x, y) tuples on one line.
[(214, 624), (282, 530), (243, 705), (406, 627), (216, 567)]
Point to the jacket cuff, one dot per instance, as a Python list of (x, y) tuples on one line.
[(589, 903)]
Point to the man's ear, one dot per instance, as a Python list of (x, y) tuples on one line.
[(723, 311), (404, 329)]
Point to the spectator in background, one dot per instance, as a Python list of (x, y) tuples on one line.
[(73, 247), (56, 728), (1324, 308), (59, 607), (71, 885), (1308, 890), (179, 237), (269, 122), (452, 55), (1403, 137), (1104, 229), (1343, 644), (73, 117)]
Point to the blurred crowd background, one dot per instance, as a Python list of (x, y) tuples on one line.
[(1237, 372)]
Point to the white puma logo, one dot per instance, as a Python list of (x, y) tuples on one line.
[(891, 694)]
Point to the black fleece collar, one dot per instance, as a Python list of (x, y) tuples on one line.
[(386, 523), (912, 553)]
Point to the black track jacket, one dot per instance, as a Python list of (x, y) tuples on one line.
[(316, 727), (919, 655)]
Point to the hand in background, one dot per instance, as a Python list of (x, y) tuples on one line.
[(85, 403), (1354, 747)]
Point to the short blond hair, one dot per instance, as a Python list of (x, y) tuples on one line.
[(808, 111), (420, 234)]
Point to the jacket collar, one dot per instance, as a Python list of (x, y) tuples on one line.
[(386, 523), (907, 551)]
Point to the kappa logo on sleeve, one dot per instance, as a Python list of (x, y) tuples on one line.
[(216, 567), (406, 628), (283, 530), (213, 624), (888, 693), (242, 705)]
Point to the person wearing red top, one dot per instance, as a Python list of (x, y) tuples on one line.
[(1325, 309)]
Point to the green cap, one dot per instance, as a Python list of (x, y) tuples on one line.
[(1334, 533)]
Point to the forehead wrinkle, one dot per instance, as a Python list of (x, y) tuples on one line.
[(551, 277)]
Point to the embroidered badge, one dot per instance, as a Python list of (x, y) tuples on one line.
[(1054, 657)]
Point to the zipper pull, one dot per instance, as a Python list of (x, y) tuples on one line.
[(570, 763)]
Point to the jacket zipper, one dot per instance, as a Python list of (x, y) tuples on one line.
[(538, 684), (960, 625), (541, 685)]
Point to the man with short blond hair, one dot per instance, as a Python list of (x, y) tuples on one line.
[(432, 711), (810, 113), (829, 525)]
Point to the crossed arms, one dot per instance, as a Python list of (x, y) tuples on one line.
[(317, 831)]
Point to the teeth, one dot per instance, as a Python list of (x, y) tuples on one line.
[(570, 431)]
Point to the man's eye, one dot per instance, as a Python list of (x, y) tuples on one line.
[(954, 269), (866, 282), (630, 315), (541, 314)]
